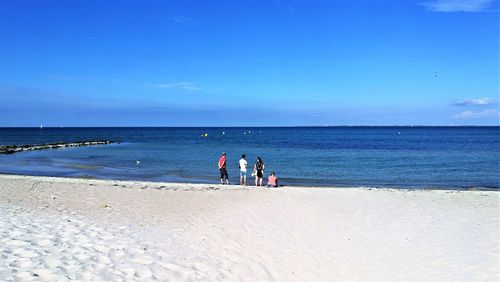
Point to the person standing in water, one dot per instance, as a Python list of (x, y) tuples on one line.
[(258, 170), (243, 170), (222, 168)]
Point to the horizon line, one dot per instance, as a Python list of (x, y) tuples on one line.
[(251, 126)]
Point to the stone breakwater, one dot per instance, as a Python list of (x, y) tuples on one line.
[(10, 149)]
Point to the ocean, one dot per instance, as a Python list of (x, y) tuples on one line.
[(392, 157)]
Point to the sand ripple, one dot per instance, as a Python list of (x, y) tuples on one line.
[(89, 230), (49, 247)]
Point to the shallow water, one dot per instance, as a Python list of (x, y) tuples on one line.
[(405, 157)]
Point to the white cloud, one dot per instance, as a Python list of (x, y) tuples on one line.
[(448, 6), (180, 19), (177, 85), (60, 77), (5, 90), (476, 102), (472, 115)]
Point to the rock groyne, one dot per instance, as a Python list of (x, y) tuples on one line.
[(10, 149)]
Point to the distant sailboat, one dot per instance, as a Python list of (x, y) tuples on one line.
[(41, 125)]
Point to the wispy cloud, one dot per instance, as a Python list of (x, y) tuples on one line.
[(5, 90), (177, 85), (60, 77), (449, 6), (476, 102), (180, 19), (482, 114)]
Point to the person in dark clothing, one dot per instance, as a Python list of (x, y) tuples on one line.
[(258, 171)]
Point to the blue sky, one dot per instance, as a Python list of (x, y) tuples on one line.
[(249, 63)]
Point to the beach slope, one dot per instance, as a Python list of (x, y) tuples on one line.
[(61, 229)]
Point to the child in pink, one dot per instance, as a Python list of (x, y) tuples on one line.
[(272, 180)]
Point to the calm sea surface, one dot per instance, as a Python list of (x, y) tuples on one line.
[(406, 157)]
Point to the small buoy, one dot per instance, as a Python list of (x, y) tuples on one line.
[(223, 132), (137, 162), (206, 134), (399, 132), (245, 132), (249, 131)]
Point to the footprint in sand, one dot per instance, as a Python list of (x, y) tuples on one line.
[(44, 274), (24, 276), (43, 242), (128, 271), (85, 276), (21, 263), (82, 257), (118, 254), (202, 267), (15, 243), (15, 233), (144, 260), (28, 254), (100, 248), (104, 259), (52, 262), (143, 273)]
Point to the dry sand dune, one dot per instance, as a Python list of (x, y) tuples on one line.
[(62, 229)]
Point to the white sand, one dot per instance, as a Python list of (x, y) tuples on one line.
[(66, 229)]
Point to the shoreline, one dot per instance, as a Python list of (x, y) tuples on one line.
[(326, 186)]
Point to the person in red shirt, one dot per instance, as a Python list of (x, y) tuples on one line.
[(222, 168), (272, 180)]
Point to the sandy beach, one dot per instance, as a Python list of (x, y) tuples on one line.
[(80, 229)]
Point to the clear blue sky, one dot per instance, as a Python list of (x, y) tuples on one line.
[(245, 63)]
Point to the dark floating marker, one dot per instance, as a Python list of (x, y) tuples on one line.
[(11, 149)]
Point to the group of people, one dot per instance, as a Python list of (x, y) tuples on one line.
[(258, 172)]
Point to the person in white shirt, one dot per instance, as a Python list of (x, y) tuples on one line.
[(243, 170)]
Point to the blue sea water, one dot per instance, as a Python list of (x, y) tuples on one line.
[(403, 157)]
